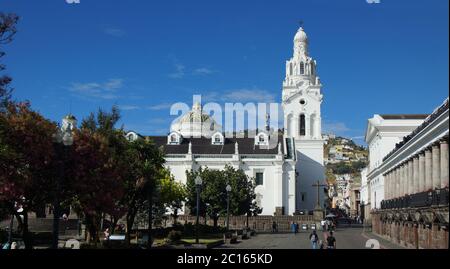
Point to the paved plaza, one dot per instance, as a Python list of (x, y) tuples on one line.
[(347, 238)]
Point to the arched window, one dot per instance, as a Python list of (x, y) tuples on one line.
[(173, 138), (261, 138), (302, 125), (302, 68), (217, 139)]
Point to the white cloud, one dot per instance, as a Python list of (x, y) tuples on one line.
[(105, 90), (161, 106), (179, 71), (129, 107), (335, 127), (116, 32), (203, 71)]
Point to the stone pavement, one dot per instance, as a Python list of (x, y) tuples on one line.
[(346, 238)]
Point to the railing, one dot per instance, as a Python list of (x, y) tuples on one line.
[(438, 197), (179, 156), (213, 156), (258, 156)]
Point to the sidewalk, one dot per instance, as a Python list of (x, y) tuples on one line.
[(384, 244)]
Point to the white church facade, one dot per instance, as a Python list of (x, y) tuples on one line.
[(285, 168)]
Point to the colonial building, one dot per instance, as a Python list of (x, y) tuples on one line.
[(383, 132), (285, 165), (414, 208)]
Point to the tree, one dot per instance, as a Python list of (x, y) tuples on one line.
[(98, 171), (96, 184), (214, 196), (172, 193), (27, 162), (7, 31), (143, 165)]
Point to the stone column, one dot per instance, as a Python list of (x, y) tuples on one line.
[(410, 177), (296, 126), (400, 185), (416, 174), (307, 126), (386, 182), (388, 185), (397, 182), (421, 172), (444, 163), (428, 170), (405, 178), (393, 184), (279, 188), (436, 166)]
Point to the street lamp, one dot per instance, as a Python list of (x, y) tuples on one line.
[(228, 189), (198, 185), (62, 136)]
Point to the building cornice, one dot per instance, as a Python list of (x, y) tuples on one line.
[(434, 131)]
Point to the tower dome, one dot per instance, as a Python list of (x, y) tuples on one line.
[(195, 123), (301, 36)]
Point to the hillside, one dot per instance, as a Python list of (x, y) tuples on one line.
[(343, 156)]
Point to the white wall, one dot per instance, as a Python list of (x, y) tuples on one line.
[(310, 169), (278, 189)]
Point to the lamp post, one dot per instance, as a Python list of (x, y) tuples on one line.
[(63, 137), (198, 185), (228, 189)]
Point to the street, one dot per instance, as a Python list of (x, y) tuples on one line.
[(346, 238)]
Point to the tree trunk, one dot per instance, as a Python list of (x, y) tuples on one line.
[(215, 219), (131, 215), (175, 217), (25, 233), (130, 222)]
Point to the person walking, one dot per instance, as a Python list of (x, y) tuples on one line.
[(323, 223), (274, 227), (314, 238), (296, 227), (293, 227), (331, 241)]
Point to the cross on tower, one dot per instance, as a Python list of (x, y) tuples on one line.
[(300, 22), (318, 185)]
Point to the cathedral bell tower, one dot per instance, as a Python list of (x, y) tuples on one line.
[(301, 93), (301, 101)]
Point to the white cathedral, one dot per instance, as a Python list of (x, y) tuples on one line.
[(284, 172)]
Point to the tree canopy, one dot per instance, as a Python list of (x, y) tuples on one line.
[(214, 196)]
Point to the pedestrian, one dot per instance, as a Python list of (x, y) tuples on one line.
[(331, 241), (293, 229), (296, 227), (274, 227), (323, 223), (314, 238)]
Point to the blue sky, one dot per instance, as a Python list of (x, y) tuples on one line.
[(390, 57)]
